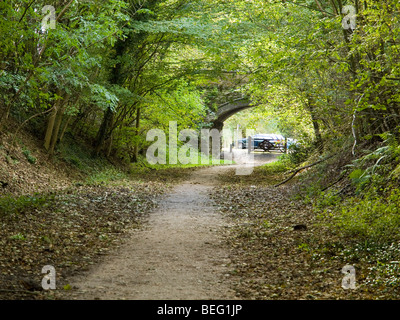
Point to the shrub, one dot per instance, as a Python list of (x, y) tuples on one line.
[(298, 153), (373, 217), (31, 159)]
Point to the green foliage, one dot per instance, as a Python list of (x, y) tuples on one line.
[(372, 213), (176, 61), (360, 178), (255, 118), (378, 167), (18, 236), (298, 153), (67, 287), (326, 199), (304, 247), (283, 164), (10, 205), (196, 160), (182, 103), (74, 161), (60, 57), (96, 169), (373, 217), (102, 97), (272, 172), (106, 176), (31, 159)]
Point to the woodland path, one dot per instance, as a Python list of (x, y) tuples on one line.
[(179, 253)]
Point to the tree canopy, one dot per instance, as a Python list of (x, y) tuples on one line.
[(108, 71)]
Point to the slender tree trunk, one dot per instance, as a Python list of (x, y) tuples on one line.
[(54, 123), (110, 142), (137, 127), (103, 131), (50, 125), (65, 128), (314, 119), (318, 136), (57, 125)]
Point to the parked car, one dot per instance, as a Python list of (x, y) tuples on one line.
[(265, 142)]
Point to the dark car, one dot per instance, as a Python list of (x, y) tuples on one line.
[(265, 142)]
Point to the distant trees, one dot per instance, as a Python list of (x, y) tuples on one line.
[(110, 70), (332, 65)]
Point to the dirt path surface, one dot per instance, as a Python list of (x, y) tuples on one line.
[(179, 254)]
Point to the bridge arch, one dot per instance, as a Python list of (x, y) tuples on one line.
[(227, 110)]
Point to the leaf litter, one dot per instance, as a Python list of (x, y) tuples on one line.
[(72, 231), (279, 248)]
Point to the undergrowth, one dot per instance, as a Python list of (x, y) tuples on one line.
[(12, 206), (365, 220)]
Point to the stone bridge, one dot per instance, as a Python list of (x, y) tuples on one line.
[(227, 110)]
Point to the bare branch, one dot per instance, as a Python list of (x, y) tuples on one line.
[(296, 171)]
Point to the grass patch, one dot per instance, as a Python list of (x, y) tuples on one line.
[(99, 171), (197, 161), (106, 176), (371, 218), (282, 165), (265, 175)]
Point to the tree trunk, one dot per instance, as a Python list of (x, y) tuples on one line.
[(108, 119), (65, 128), (137, 126), (110, 142), (50, 125), (317, 132), (56, 129), (103, 131)]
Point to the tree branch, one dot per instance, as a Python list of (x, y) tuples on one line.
[(305, 167), (63, 10), (27, 120), (26, 9)]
